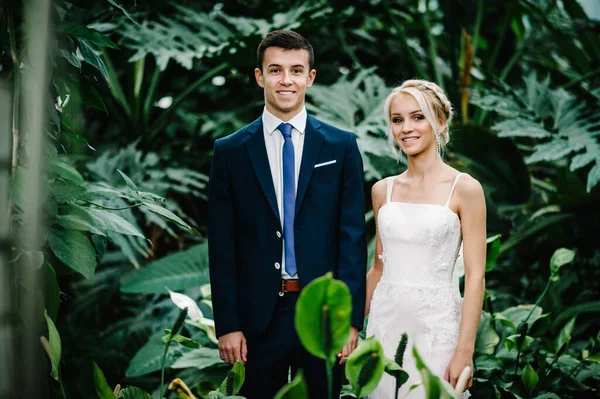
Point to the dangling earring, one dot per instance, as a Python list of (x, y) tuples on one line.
[(399, 155), (439, 145)]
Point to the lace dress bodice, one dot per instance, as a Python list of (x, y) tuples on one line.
[(417, 292)]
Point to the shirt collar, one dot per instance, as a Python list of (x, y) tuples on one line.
[(272, 122)]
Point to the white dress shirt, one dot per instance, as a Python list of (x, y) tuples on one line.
[(274, 144)]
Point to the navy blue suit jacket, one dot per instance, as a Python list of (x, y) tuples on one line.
[(244, 230)]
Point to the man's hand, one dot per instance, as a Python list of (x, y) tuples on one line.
[(350, 345), (232, 347)]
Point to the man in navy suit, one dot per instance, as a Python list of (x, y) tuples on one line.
[(285, 207)]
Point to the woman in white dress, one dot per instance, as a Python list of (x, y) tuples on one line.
[(422, 216)]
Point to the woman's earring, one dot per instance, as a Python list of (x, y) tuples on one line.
[(439, 145), (399, 155)]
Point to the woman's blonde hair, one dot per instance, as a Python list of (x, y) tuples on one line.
[(434, 104)]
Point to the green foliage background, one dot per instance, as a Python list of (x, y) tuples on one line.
[(137, 93)]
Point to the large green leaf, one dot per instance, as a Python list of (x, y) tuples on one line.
[(108, 220), (52, 291), (90, 56), (81, 222), (564, 337), (529, 377), (55, 347), (493, 251), (518, 314), (435, 388), (74, 249), (102, 388), (357, 105), (92, 36), (167, 214), (561, 257), (297, 389), (133, 393), (200, 358), (365, 367), (176, 272), (234, 380), (323, 317), (65, 171), (487, 337), (148, 358)]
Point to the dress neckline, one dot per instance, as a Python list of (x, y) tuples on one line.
[(416, 203)]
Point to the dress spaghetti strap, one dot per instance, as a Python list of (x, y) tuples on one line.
[(453, 187), (390, 187)]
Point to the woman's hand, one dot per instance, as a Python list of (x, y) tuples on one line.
[(459, 361)]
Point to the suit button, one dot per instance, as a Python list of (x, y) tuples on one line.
[(277, 265), (278, 234)]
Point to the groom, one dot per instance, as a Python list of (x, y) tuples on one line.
[(285, 207)]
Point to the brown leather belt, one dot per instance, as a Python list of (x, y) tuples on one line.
[(290, 285)]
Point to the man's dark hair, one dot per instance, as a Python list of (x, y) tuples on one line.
[(287, 40)]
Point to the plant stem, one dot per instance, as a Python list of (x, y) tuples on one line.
[(62, 387), (581, 78), (162, 372), (163, 118), (431, 48), (150, 96), (539, 299), (347, 49), (411, 54), (477, 27)]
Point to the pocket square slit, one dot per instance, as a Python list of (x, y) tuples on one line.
[(325, 163)]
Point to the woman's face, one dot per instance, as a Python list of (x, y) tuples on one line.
[(412, 132)]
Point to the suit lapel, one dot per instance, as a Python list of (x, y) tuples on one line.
[(260, 162), (312, 146)]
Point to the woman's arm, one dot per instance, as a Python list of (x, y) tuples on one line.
[(472, 212), (378, 193)]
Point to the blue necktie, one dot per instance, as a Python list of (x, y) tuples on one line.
[(289, 198)]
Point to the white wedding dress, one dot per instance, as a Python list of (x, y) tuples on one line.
[(417, 294)]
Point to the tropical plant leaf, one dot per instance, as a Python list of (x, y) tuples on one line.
[(149, 357), (92, 36), (487, 338), (102, 388), (74, 249), (184, 36), (133, 392), (322, 317), (81, 222), (357, 106), (200, 358), (123, 10), (90, 56), (365, 367), (54, 347), (296, 389), (65, 171), (177, 272), (573, 132), (108, 220), (529, 377), (234, 380)]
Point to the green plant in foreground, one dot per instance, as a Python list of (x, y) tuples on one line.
[(323, 320)]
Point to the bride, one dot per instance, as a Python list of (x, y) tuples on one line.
[(422, 217)]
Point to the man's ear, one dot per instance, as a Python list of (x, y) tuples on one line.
[(311, 77), (259, 77)]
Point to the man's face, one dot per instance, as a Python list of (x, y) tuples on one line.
[(284, 77)]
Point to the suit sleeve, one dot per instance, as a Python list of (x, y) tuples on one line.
[(221, 246), (352, 261)]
